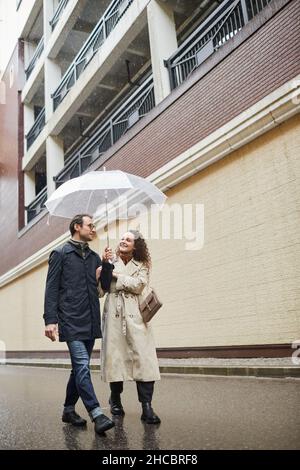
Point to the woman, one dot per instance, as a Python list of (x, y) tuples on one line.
[(128, 349)]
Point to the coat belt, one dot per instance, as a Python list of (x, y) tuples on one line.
[(121, 310), (121, 295)]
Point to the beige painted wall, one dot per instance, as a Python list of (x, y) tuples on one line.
[(241, 288)]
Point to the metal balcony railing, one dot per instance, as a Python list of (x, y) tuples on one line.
[(37, 205), (97, 37), (57, 14), (36, 129), (223, 23), (255, 6), (108, 132), (36, 55)]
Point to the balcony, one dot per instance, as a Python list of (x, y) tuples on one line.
[(60, 8), (37, 205), (35, 57), (36, 129), (98, 36), (223, 23), (137, 105)]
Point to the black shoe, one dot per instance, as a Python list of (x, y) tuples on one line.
[(148, 414), (116, 407), (102, 424), (73, 418)]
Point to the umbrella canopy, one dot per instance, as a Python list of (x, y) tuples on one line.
[(91, 192)]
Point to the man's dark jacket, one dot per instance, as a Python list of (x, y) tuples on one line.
[(71, 297)]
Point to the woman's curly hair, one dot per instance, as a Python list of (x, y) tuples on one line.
[(140, 250)]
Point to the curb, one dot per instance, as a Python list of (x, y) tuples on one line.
[(234, 371)]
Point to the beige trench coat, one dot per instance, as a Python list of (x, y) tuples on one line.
[(128, 349)]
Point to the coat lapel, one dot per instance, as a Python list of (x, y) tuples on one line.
[(130, 268)]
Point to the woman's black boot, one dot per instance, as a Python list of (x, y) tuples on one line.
[(148, 414), (116, 407)]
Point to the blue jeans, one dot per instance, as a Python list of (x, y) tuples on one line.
[(80, 383)]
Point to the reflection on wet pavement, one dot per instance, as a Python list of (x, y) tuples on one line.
[(114, 439), (197, 412)]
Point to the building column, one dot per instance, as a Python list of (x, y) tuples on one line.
[(28, 110), (29, 176), (29, 49), (52, 80), (49, 7), (54, 161), (163, 42), (29, 190), (52, 69)]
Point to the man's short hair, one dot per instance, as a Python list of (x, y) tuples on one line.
[(77, 219)]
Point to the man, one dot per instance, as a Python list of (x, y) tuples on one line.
[(72, 311)]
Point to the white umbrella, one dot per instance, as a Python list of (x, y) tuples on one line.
[(92, 192)]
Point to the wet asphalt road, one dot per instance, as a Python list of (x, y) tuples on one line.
[(196, 413)]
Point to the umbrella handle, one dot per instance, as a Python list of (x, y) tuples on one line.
[(106, 210), (107, 240)]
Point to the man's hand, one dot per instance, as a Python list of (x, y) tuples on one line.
[(51, 331), (107, 255), (98, 273)]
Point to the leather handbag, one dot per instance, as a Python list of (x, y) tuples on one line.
[(149, 304)]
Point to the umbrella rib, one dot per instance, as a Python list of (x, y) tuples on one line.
[(90, 196)]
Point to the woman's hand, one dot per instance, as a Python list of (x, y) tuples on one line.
[(115, 274), (107, 255), (98, 273)]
